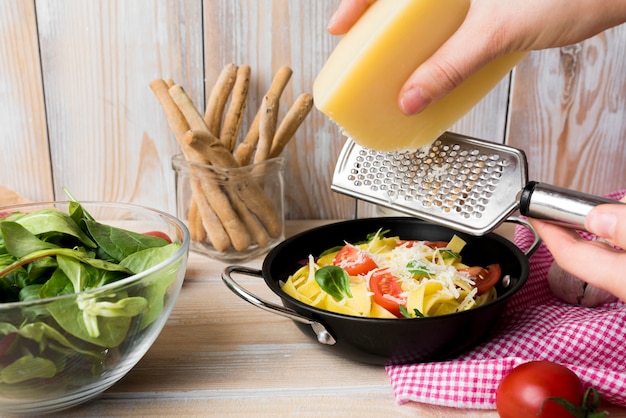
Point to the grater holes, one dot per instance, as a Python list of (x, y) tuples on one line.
[(447, 177)]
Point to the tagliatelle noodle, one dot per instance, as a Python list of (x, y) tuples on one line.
[(443, 291)]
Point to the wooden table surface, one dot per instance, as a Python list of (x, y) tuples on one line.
[(220, 356)]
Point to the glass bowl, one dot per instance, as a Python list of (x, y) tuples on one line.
[(68, 347)]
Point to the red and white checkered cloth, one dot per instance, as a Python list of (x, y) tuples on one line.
[(536, 325)]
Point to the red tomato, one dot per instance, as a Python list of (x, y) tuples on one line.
[(384, 283), (485, 278), (354, 261), (522, 392), (6, 342), (159, 234)]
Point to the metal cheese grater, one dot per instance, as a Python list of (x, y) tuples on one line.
[(464, 183)]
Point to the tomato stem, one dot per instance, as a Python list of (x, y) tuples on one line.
[(588, 409)]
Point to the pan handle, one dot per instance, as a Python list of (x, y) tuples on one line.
[(558, 205), (323, 335), (536, 240)]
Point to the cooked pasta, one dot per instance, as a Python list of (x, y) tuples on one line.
[(386, 277)]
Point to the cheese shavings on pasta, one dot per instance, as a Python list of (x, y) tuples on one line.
[(429, 277)]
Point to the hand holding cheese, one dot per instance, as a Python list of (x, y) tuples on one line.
[(358, 86), (490, 29)]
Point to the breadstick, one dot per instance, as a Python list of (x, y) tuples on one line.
[(267, 127), (218, 98), (252, 223), (246, 186), (194, 222), (212, 225), (173, 115), (234, 114), (208, 149), (187, 108), (221, 205), (169, 82), (180, 127), (261, 205), (290, 123), (219, 202), (244, 151)]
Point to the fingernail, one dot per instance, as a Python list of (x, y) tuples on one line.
[(601, 224), (332, 21), (414, 101)]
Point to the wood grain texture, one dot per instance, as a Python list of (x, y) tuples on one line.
[(568, 113), (108, 136), (267, 35), (24, 153)]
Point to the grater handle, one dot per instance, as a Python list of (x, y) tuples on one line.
[(558, 205)]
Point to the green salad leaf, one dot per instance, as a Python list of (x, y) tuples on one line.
[(47, 254)]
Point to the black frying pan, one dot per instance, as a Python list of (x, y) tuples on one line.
[(389, 341)]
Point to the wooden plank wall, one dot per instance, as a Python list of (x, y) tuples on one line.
[(76, 110)]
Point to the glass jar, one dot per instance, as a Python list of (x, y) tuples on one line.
[(233, 214)]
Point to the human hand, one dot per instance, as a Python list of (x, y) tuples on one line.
[(492, 28), (595, 262)]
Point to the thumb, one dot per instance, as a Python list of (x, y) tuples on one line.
[(608, 221)]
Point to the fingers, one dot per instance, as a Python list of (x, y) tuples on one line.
[(451, 65), (348, 12), (592, 261)]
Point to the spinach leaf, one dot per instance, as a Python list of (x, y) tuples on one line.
[(43, 334), (78, 213), (27, 367), (45, 221), (334, 281), (120, 243), (79, 318), (158, 282), (30, 292), (20, 242), (57, 285), (75, 253)]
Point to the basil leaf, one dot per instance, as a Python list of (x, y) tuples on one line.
[(405, 312), (446, 254), (334, 281), (418, 268)]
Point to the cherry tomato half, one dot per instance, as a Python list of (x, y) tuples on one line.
[(354, 261), (522, 392), (159, 234), (484, 278), (383, 283)]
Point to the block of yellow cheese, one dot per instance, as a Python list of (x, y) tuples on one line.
[(359, 84)]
